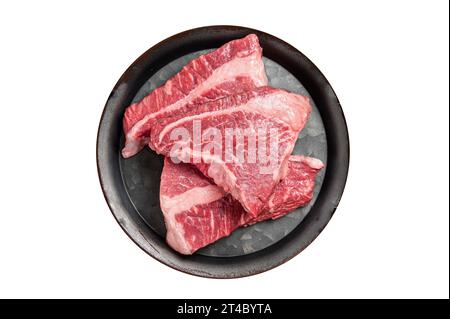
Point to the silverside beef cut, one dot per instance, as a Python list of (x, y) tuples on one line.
[(278, 114), (197, 212), (235, 66)]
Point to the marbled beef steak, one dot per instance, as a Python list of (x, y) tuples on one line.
[(235, 66), (266, 114), (197, 212)]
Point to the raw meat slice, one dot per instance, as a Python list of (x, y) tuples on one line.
[(235, 66), (271, 117), (247, 93), (197, 212), (295, 190)]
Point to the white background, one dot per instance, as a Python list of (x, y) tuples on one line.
[(388, 63)]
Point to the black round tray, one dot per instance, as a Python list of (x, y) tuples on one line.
[(147, 229)]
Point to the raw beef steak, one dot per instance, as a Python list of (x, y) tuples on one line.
[(234, 67), (197, 212), (271, 119)]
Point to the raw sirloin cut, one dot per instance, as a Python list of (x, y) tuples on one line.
[(197, 212), (279, 114), (235, 66)]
